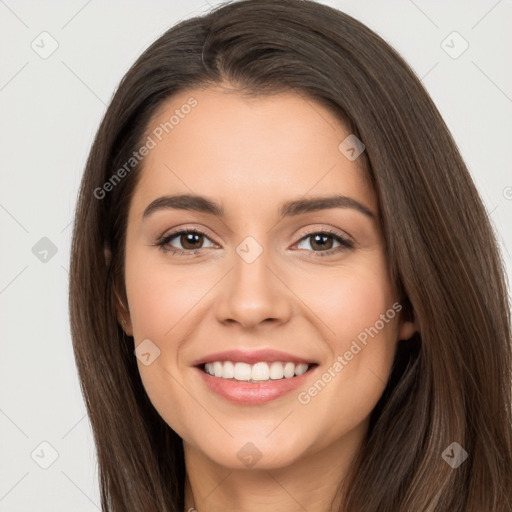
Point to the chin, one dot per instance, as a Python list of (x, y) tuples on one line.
[(254, 450)]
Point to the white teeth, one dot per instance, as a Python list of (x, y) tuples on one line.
[(276, 370), (301, 369), (228, 370), (242, 371), (261, 371), (217, 369), (289, 370)]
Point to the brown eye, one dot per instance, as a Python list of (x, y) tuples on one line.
[(321, 243), (191, 241)]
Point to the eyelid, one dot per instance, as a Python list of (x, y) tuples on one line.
[(331, 231), (186, 228)]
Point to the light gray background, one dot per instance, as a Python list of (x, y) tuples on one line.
[(50, 110)]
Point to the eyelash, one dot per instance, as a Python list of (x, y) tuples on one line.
[(345, 244)]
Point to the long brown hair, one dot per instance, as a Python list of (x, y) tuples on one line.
[(450, 383)]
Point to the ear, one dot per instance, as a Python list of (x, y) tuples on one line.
[(408, 328), (108, 256), (123, 318), (122, 312)]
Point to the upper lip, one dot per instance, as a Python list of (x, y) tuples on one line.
[(252, 357)]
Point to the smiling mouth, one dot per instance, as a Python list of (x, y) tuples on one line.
[(255, 373)]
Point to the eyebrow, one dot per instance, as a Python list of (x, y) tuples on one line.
[(288, 209)]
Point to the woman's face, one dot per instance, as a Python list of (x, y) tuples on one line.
[(276, 282)]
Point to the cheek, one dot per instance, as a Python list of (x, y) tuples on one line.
[(358, 316), (160, 296), (358, 305), (349, 299), (165, 305)]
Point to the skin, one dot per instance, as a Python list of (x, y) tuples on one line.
[(251, 155)]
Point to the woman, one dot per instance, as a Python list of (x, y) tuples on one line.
[(285, 290)]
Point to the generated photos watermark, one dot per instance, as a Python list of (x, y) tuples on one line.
[(304, 397), (151, 142)]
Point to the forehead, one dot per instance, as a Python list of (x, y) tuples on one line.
[(247, 151)]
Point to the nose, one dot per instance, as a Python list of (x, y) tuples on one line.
[(253, 293)]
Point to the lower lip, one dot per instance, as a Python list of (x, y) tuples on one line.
[(253, 393)]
